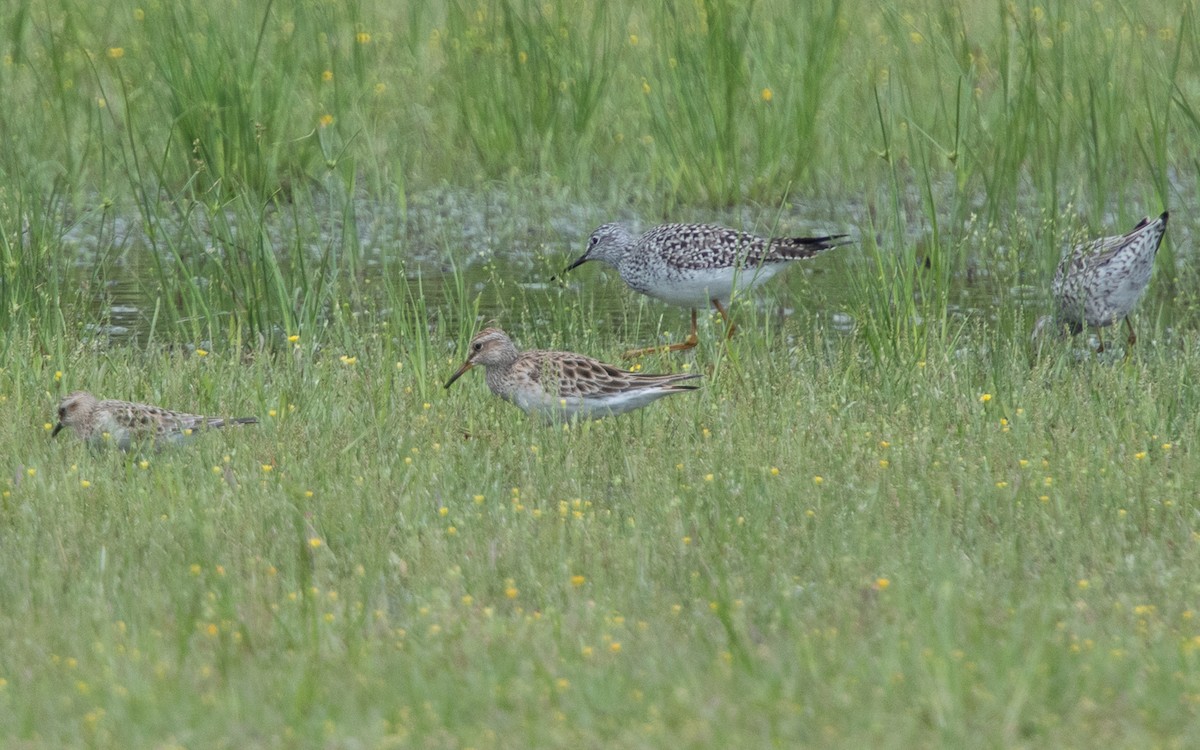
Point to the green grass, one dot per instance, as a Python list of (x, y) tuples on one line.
[(812, 549), (714, 101), (916, 532)]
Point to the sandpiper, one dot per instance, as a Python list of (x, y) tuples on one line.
[(126, 424), (559, 385), (1098, 283), (694, 265)]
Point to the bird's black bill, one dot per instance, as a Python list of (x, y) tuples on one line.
[(57, 429), (582, 259), (459, 373)]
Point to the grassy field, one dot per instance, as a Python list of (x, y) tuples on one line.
[(913, 530)]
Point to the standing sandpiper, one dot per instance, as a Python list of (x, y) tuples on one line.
[(127, 424), (1098, 283), (559, 385), (694, 265)]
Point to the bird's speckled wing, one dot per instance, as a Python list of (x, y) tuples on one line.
[(147, 420), (1090, 255), (574, 375), (705, 246), (711, 246), (1099, 252)]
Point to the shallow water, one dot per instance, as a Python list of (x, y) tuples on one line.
[(504, 234)]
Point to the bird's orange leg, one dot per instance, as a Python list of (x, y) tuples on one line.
[(729, 326), (687, 343)]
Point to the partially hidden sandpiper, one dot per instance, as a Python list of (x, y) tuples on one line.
[(695, 265), (1098, 283), (558, 386), (127, 425)]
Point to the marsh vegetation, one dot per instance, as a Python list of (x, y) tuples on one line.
[(884, 520)]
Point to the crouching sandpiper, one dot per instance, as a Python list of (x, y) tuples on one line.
[(127, 425)]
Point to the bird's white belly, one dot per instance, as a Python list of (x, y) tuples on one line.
[(563, 409), (696, 288)]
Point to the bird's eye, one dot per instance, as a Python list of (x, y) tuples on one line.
[(478, 345), (593, 242), (62, 412)]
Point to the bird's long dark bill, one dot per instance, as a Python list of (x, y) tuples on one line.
[(57, 429), (459, 373), (582, 259)]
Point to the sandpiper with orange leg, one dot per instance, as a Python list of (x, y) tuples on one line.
[(695, 265)]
